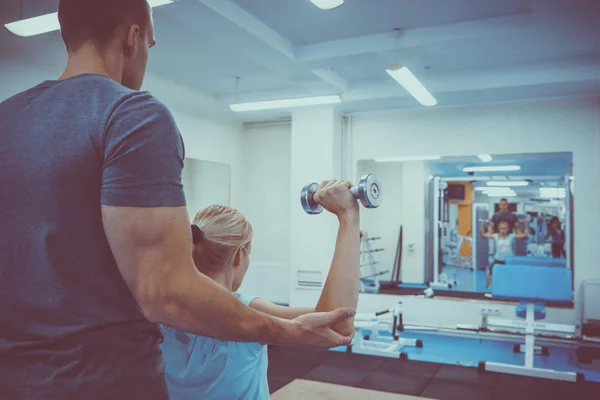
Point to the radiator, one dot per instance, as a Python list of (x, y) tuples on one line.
[(591, 300)]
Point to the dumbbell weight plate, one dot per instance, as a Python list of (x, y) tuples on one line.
[(369, 191), (307, 200)]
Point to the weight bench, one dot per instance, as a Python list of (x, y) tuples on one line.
[(534, 260), (534, 286), (375, 344)]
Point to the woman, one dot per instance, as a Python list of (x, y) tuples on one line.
[(556, 237), (204, 368), (504, 243)]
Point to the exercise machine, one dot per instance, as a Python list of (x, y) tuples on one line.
[(440, 281), (368, 191), (375, 344), (369, 281), (454, 257), (534, 286)]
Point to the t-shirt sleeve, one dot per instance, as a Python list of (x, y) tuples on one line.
[(143, 155)]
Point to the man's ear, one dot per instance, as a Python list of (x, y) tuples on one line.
[(133, 37)]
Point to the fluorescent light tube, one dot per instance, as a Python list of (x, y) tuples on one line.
[(158, 3), (496, 189), (49, 22), (553, 193), (507, 183), (497, 168), (408, 81), (485, 157), (501, 194), (34, 26), (327, 4), (407, 158), (273, 104), (493, 189)]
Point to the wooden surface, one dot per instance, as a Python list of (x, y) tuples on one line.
[(300, 389)]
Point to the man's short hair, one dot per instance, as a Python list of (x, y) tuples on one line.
[(501, 200), (97, 21)]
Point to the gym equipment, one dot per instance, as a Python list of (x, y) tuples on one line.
[(454, 257), (439, 219), (368, 191), (540, 261), (588, 351), (397, 260), (534, 286), (370, 282), (481, 246), (377, 345)]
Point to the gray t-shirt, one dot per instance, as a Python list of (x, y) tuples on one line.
[(508, 217), (69, 326)]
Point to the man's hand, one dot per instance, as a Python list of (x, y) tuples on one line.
[(335, 197), (313, 330)]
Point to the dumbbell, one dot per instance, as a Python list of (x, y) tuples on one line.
[(368, 191)]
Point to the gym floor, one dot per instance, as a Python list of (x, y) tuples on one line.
[(468, 280), (417, 378)]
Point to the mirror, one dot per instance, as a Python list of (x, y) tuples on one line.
[(447, 221), (205, 183)]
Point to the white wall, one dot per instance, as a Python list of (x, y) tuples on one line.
[(206, 183), (315, 156), (415, 175), (549, 126), (384, 221), (266, 188)]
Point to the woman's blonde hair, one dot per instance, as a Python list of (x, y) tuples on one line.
[(224, 230)]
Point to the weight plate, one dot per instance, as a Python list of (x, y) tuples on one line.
[(307, 200), (369, 190)]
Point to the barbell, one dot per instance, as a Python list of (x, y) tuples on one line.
[(368, 191)]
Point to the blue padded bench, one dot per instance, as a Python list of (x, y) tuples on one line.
[(534, 286), (535, 260), (532, 283)]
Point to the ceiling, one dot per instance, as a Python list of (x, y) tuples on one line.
[(479, 51), (532, 165), (540, 170)]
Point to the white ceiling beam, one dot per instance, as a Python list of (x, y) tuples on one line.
[(329, 76), (508, 77), (240, 17), (252, 25), (569, 71), (412, 37)]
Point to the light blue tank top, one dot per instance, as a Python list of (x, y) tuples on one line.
[(504, 246), (198, 367)]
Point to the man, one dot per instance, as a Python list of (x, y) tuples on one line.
[(96, 241), (504, 215)]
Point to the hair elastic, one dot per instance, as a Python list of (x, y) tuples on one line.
[(197, 234)]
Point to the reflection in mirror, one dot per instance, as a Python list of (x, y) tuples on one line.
[(205, 183), (447, 222)]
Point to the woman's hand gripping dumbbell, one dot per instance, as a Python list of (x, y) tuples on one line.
[(368, 192)]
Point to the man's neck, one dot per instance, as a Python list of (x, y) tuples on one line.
[(89, 60)]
